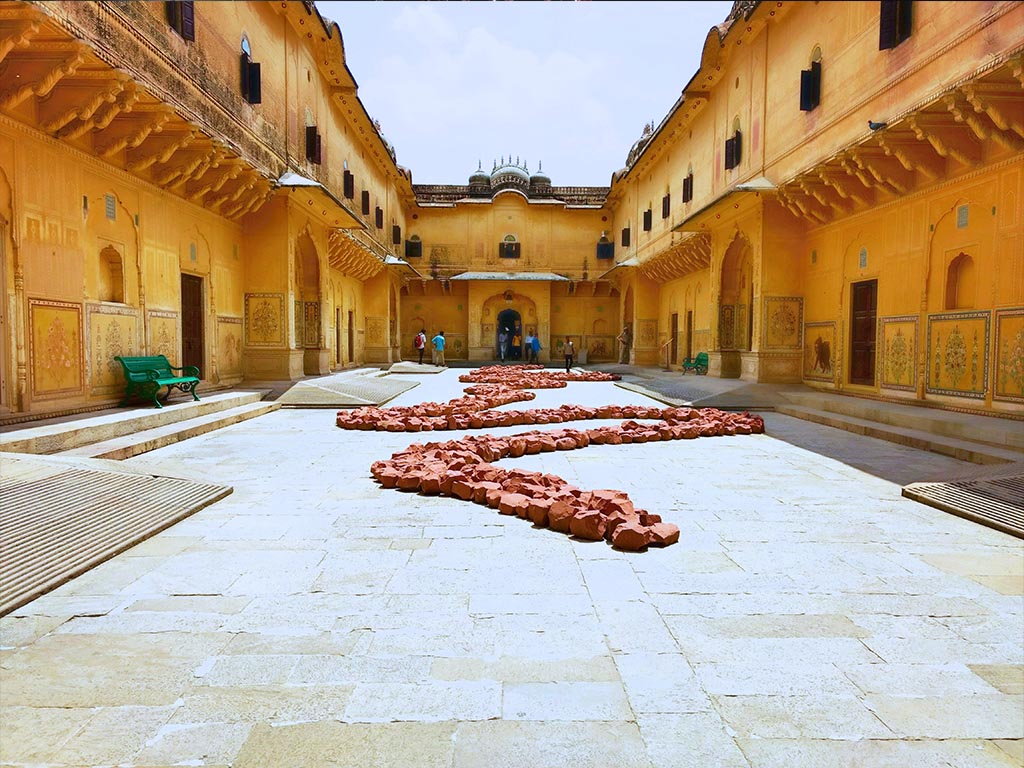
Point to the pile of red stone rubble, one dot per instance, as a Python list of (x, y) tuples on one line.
[(464, 468), (532, 376)]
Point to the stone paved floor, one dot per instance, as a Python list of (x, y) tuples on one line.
[(809, 616)]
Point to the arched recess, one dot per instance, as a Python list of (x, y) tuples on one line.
[(308, 332), (521, 305), (961, 285), (736, 297)]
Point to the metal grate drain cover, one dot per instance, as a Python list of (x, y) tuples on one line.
[(997, 502)]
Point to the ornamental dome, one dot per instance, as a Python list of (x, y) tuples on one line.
[(540, 178), (479, 176), (514, 169)]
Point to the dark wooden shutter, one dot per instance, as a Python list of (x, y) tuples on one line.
[(730, 154), (255, 84), (606, 250), (349, 184), (366, 202), (413, 249), (313, 145), (737, 148), (647, 220), (688, 188), (173, 10), (396, 234), (888, 25), (188, 19), (904, 18), (666, 206), (378, 217), (625, 237), (810, 87)]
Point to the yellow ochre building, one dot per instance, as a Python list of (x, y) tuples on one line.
[(836, 198)]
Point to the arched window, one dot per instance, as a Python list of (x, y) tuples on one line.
[(960, 284), (251, 81), (111, 284), (509, 247)]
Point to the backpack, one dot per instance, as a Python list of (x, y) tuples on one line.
[(418, 341)]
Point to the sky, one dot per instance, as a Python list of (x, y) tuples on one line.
[(566, 84)]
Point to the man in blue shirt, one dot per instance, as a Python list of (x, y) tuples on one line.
[(438, 342)]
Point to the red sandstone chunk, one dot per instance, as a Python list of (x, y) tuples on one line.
[(538, 511), (588, 524), (631, 537), (663, 534), (463, 489), (409, 481), (388, 477), (431, 484), (481, 489), (511, 502), (560, 516)]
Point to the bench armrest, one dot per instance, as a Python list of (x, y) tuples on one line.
[(188, 370)]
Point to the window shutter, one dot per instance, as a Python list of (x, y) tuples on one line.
[(366, 202), (396, 234), (688, 188), (806, 90), (647, 220), (625, 237), (666, 206), (606, 250), (379, 217), (349, 184), (888, 20), (173, 11), (255, 84), (904, 17), (730, 153), (737, 148), (413, 249), (188, 19), (310, 142)]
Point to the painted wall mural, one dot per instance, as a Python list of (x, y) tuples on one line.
[(819, 351), (311, 324), (600, 348), (229, 346), (264, 319), (899, 352), (1009, 354), (727, 326), (163, 335), (646, 334), (783, 322), (376, 331), (958, 354), (56, 348), (112, 331)]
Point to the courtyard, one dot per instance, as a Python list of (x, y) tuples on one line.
[(808, 616)]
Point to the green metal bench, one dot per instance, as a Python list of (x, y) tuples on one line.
[(698, 364), (147, 375)]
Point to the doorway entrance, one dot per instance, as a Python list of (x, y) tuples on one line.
[(863, 332), (512, 323), (192, 322), (674, 339)]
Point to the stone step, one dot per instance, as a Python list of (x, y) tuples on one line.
[(65, 435), (993, 431), (964, 450), (126, 446)]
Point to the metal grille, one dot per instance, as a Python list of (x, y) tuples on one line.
[(55, 528), (997, 502)]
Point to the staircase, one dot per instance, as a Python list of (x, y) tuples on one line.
[(122, 433), (967, 437)]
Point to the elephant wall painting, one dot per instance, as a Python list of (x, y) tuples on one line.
[(819, 351)]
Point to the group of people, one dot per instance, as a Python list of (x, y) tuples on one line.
[(436, 347), (531, 344)]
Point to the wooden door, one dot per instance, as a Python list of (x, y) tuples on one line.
[(863, 332), (192, 322), (674, 339)]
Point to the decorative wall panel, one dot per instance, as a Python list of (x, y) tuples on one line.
[(783, 322), (727, 326), (229, 346), (1009, 355), (646, 334), (958, 354), (112, 331), (264, 319), (819, 351), (376, 331), (600, 348), (163, 335), (56, 348), (311, 324), (899, 352)]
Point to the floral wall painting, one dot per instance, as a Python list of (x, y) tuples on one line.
[(229, 346), (56, 348), (112, 332), (783, 321), (957, 361), (264, 319), (1009, 355), (163, 335), (376, 331), (899, 352), (819, 351)]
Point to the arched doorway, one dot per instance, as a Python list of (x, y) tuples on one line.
[(735, 306), (309, 337), (511, 322)]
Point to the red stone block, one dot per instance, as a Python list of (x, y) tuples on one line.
[(588, 524), (631, 537), (409, 481), (560, 516), (663, 534), (511, 502), (537, 511), (431, 484), (463, 489)]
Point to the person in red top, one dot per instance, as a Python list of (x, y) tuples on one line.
[(420, 342)]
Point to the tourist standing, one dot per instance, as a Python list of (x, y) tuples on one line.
[(625, 340), (536, 348), (528, 343), (421, 343), (438, 342), (502, 343), (570, 352)]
